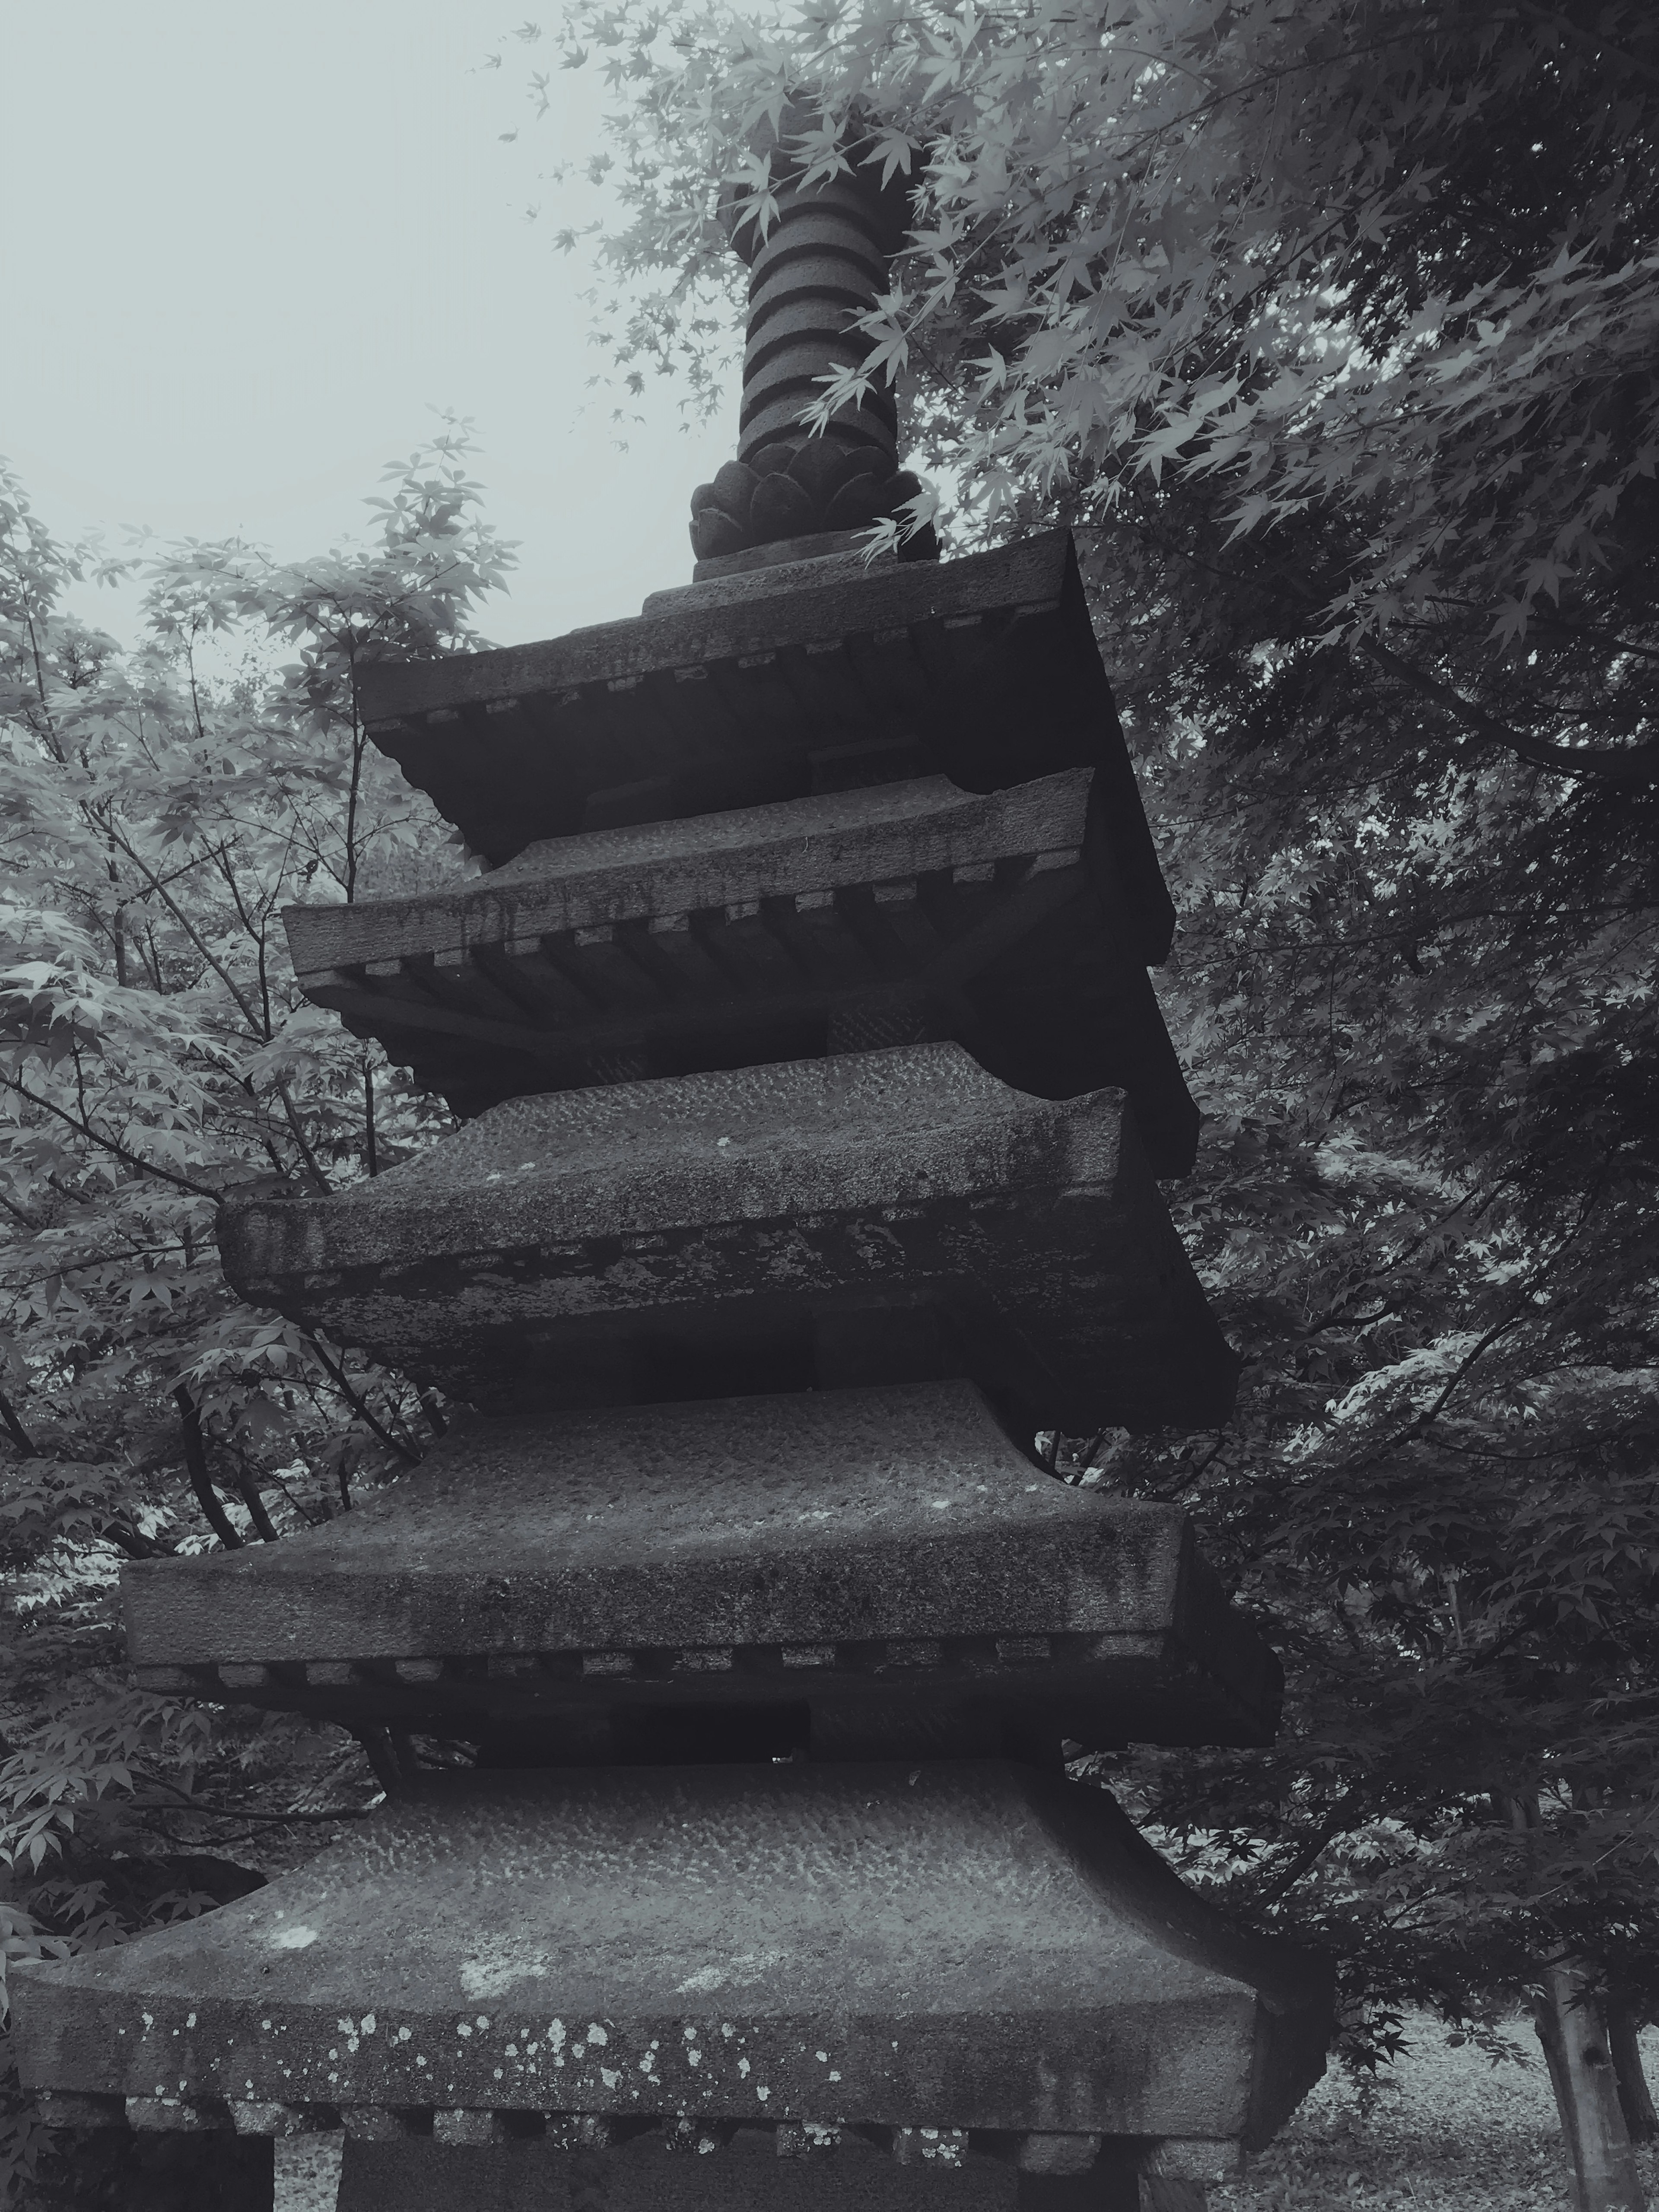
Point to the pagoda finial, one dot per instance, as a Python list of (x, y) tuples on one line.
[(822, 261)]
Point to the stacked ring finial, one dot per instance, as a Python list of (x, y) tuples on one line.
[(818, 258)]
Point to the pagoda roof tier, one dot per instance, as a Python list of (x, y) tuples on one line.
[(890, 1216), (961, 1945), (984, 669), (767, 933), (841, 1548)]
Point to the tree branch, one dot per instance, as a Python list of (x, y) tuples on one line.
[(314, 1168), (1633, 767), (16, 1430), (200, 1481), (377, 1749), (84, 1127), (248, 1486), (243, 1006), (360, 1404), (40, 1270), (372, 1149), (1568, 29), (1312, 1851), (130, 1541), (1629, 768)]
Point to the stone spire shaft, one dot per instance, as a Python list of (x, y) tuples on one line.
[(823, 261)]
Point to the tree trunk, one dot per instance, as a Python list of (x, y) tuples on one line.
[(1571, 2018), (1635, 2097)]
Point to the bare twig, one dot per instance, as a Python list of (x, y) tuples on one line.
[(313, 1167), (181, 1800), (1629, 767)]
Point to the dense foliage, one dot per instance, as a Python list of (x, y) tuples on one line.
[(1417, 996), (158, 807), (1383, 269)]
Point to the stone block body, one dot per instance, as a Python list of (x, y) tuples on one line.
[(788, 564), (970, 1946), (862, 1219), (848, 1570), (851, 2174)]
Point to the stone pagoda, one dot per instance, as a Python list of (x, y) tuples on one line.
[(812, 1097)]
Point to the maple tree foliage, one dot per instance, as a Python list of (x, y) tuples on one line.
[(159, 807), (1388, 265)]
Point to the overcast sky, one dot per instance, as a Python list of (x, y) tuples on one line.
[(247, 248)]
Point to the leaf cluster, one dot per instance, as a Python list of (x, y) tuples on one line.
[(158, 807)]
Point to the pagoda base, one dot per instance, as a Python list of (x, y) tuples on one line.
[(747, 2176), (959, 1957)]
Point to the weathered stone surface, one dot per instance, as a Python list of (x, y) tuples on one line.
[(776, 414), (85, 2111), (887, 1217), (858, 208), (710, 1545), (819, 257), (759, 571), (949, 1945), (985, 670), (802, 487), (737, 937), (799, 486)]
